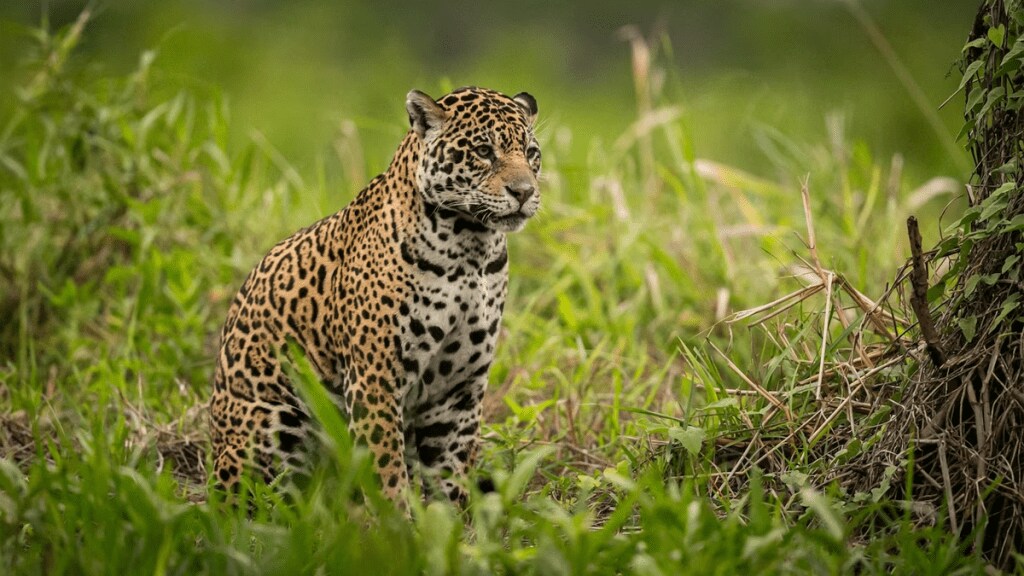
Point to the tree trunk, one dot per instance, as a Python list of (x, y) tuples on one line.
[(959, 426)]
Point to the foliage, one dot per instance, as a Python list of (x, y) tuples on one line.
[(126, 222), (123, 222)]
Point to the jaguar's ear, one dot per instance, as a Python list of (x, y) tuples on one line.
[(424, 114), (528, 104)]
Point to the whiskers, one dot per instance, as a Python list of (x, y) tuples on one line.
[(485, 208), (449, 204)]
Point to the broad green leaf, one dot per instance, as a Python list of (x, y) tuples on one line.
[(1015, 225), (936, 292), (970, 285), (586, 483), (977, 95), (991, 206), (691, 437), (948, 246), (966, 128), (883, 487), (963, 224), (1013, 104), (618, 479), (969, 73), (1008, 168), (968, 326), (1008, 306), (1003, 189), (994, 95), (853, 448), (1015, 52), (976, 43), (794, 479), (990, 279), (997, 34)]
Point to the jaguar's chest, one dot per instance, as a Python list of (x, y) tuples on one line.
[(449, 321)]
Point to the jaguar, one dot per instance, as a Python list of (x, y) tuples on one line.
[(396, 302)]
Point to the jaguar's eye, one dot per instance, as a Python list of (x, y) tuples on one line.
[(484, 151), (533, 153)]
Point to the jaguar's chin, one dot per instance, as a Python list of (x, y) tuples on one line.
[(509, 223)]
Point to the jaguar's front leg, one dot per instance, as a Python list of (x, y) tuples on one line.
[(447, 436), (375, 421)]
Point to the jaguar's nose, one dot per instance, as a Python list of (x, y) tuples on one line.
[(521, 191)]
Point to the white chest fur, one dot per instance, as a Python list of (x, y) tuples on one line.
[(449, 323)]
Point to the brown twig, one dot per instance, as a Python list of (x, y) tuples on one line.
[(750, 382), (824, 334), (919, 296), (812, 243)]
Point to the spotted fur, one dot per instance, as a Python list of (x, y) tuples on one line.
[(396, 301)]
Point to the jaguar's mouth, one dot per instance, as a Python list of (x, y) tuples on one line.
[(508, 223)]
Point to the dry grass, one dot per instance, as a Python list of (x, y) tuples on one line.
[(858, 345)]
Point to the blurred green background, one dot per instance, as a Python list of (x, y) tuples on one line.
[(297, 71)]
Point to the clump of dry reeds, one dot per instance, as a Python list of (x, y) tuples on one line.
[(850, 360)]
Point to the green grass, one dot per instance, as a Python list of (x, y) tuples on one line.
[(127, 221)]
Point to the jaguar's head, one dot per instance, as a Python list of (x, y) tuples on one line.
[(479, 155)]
